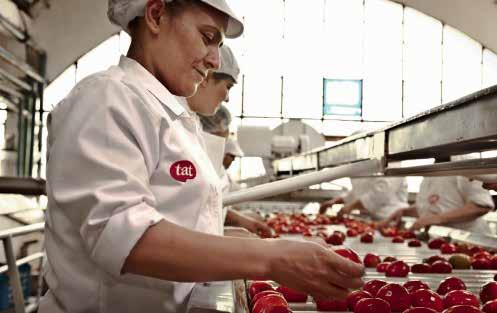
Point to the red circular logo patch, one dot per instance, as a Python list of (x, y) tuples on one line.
[(433, 199), (183, 170)]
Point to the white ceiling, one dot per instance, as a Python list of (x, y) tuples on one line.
[(70, 28)]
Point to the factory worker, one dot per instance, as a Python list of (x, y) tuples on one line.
[(215, 119), (375, 196), (133, 198), (452, 201)]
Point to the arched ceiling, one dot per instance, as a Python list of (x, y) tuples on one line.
[(70, 28)]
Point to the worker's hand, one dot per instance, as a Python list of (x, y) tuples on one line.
[(345, 210), (255, 226), (425, 220), (395, 219), (311, 268), (328, 204)]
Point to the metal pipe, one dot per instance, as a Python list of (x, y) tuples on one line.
[(15, 80), (302, 181), (469, 168), (18, 231), (22, 261), (25, 68), (14, 277), (13, 29)]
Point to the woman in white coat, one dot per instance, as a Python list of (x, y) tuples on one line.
[(453, 201), (133, 199), (375, 196)]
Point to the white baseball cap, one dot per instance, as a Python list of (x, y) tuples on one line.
[(232, 147), (122, 12), (229, 65)]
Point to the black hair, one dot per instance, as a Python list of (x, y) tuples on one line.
[(222, 76)]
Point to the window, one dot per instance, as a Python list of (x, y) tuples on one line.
[(99, 59), (462, 69), (342, 97), (422, 62), (382, 97), (489, 69)]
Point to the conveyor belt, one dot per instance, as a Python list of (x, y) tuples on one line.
[(383, 246)]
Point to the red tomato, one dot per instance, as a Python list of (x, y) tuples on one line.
[(449, 284), (371, 260), (257, 286), (355, 297), (397, 269), (488, 292), (396, 295), (292, 295), (427, 299), (414, 285), (490, 307), (460, 297), (373, 286), (265, 303), (372, 305)]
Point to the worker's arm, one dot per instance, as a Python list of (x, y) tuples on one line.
[(329, 203), (171, 252), (356, 205), (396, 217), (234, 218), (468, 212)]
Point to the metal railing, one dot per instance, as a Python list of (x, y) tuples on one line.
[(12, 263)]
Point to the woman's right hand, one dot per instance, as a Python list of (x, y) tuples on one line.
[(311, 268), (328, 204), (394, 218)]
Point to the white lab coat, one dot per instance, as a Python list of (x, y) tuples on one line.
[(442, 194), (380, 196), (228, 185), (114, 144)]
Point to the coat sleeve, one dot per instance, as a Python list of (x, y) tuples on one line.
[(104, 145), (473, 191)]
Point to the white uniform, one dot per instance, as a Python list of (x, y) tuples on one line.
[(380, 196), (123, 155), (442, 194)]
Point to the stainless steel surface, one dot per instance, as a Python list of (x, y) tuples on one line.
[(462, 168), (301, 181), (14, 278), (212, 297), (464, 125)]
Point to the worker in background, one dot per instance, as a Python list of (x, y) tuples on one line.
[(134, 201), (215, 119), (375, 196), (452, 201)]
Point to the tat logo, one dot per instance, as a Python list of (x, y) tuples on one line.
[(183, 170)]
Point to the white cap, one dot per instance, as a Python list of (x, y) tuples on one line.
[(232, 147), (219, 122), (229, 65), (121, 12)]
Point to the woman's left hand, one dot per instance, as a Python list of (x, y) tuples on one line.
[(425, 220), (255, 226)]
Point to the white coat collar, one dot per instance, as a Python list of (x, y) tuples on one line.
[(151, 83)]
